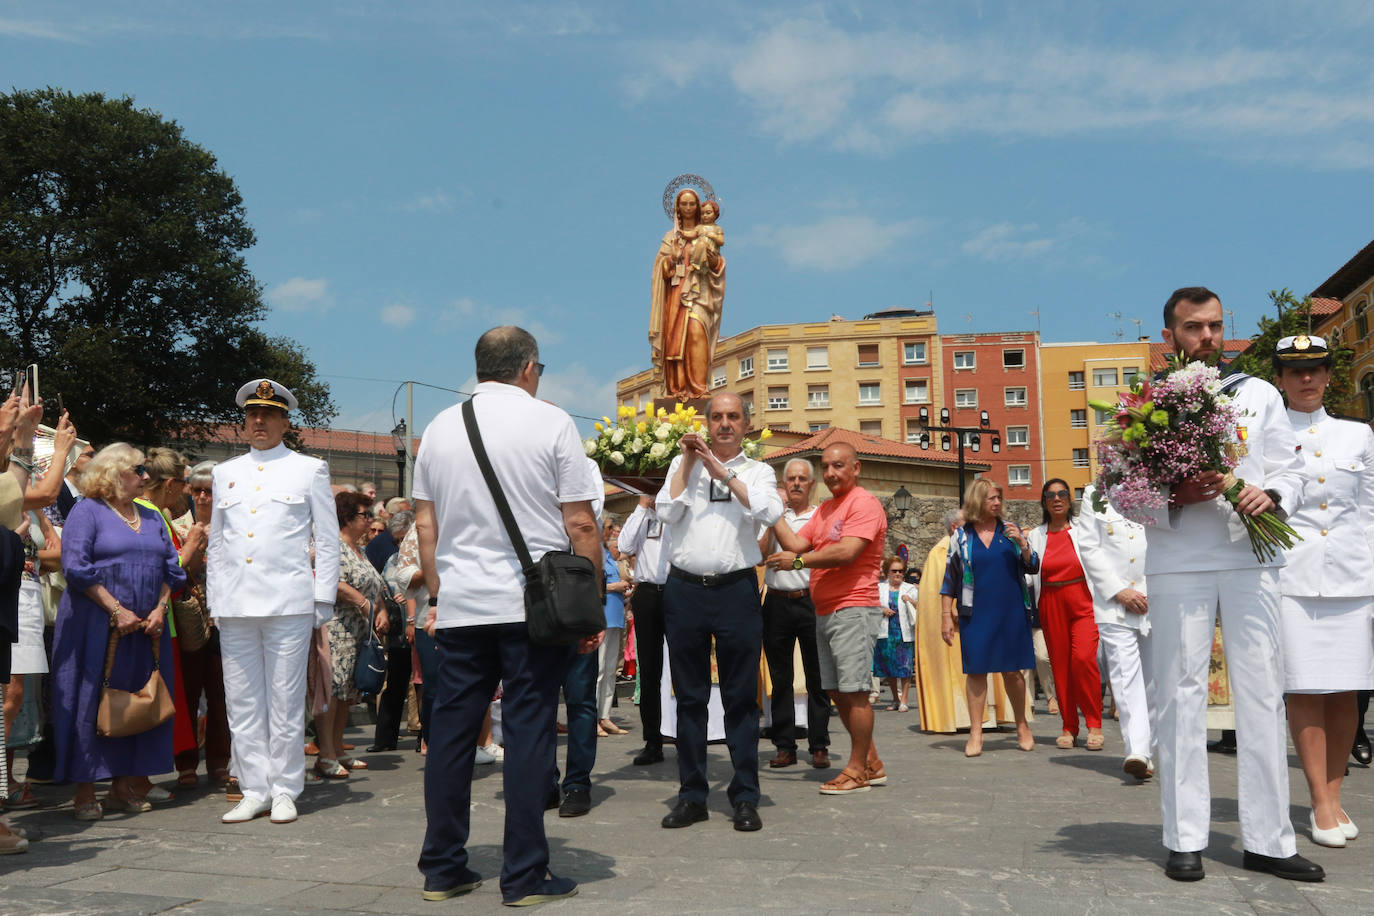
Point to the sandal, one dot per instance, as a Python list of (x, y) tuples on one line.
[(602, 733), (844, 784), (221, 777), (312, 776), (1096, 742), (330, 769), (232, 791), (1066, 741), (89, 811), (353, 763), (22, 798), (128, 804), (188, 779)]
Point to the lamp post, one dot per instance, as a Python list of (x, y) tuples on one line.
[(973, 435), (901, 500), (401, 440)]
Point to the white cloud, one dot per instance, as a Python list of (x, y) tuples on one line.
[(476, 316), (25, 29), (300, 294), (397, 315), (1008, 242), (583, 392), (836, 242), (434, 201)]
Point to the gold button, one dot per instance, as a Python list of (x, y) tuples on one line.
[(259, 488), (1132, 559), (1130, 537), (250, 534), (259, 467), (250, 559), (1323, 532), (1318, 453), (252, 511), (1321, 479), (1323, 505)]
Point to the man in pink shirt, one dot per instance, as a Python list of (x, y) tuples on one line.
[(842, 545)]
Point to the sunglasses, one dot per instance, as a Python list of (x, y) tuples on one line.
[(201, 491), (539, 368), (1057, 494), (140, 470)]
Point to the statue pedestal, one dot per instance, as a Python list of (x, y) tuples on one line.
[(670, 404)]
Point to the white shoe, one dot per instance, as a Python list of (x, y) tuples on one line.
[(1347, 826), (283, 810), (246, 810), (484, 757), (157, 795), (1334, 837), (496, 751)]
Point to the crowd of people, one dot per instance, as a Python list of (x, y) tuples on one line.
[(262, 598)]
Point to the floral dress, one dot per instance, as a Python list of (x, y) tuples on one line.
[(349, 626)]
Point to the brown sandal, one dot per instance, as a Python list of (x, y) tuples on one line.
[(1066, 741), (846, 783)]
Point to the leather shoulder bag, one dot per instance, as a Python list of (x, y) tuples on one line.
[(124, 712)]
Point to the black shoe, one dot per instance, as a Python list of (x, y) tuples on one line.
[(1226, 745), (378, 748), (652, 753), (550, 888), (576, 802), (1294, 868), (1184, 866), (554, 799), (1361, 750), (466, 884), (685, 814), (747, 817)]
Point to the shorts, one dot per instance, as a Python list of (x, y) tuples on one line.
[(844, 643)]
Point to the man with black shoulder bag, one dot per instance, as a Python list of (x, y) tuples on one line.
[(502, 490)]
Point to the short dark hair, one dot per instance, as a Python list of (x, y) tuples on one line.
[(504, 352), (1045, 513), (348, 504), (1197, 295)]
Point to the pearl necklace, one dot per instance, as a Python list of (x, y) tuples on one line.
[(134, 525)]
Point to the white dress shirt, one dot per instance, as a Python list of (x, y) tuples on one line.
[(645, 537), (721, 535), (1334, 559), (269, 506), (791, 580), (538, 458), (1112, 551)]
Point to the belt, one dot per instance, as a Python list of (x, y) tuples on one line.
[(712, 580), (639, 585), (1063, 582), (799, 593)]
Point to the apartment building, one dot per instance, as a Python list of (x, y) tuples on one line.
[(1345, 302)]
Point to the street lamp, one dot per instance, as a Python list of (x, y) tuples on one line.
[(968, 436), (401, 441), (901, 500)]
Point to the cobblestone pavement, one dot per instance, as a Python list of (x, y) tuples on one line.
[(1057, 832)]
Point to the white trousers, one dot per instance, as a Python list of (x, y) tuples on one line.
[(264, 692), (1133, 685), (1183, 607), (608, 659)]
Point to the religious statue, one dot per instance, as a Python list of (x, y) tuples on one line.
[(688, 289)]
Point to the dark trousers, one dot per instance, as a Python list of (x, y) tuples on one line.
[(787, 621), (579, 694), (647, 605), (202, 671), (428, 650), (692, 615), (472, 661), (391, 703)]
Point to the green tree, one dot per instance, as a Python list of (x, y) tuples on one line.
[(1294, 316), (122, 274)]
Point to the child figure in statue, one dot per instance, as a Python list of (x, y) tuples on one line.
[(707, 238)]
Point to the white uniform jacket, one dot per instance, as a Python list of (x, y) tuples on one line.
[(1208, 536), (1336, 521), (269, 505), (906, 614), (1112, 551)]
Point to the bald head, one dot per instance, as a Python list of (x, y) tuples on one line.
[(503, 354), (726, 420), (840, 468)]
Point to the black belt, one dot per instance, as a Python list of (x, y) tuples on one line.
[(639, 585), (712, 580)]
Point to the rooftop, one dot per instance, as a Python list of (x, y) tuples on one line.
[(870, 447)]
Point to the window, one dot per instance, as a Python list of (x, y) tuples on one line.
[(1013, 359), (748, 399), (717, 376), (777, 398), (870, 393), (1018, 435), (1080, 457), (871, 428), (817, 427), (817, 396), (746, 367), (868, 355), (917, 391), (1102, 417), (817, 358), (913, 432), (964, 359), (1015, 397), (1018, 475), (966, 397), (1078, 419), (1076, 381), (777, 360), (1361, 321), (1367, 394), (914, 354), (1104, 378), (1128, 374)]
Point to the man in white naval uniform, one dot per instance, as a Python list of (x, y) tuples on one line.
[(1112, 551), (1199, 560), (270, 506)]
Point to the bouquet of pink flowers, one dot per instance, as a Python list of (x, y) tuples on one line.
[(1168, 430)]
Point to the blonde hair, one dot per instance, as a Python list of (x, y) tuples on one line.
[(100, 480), (164, 464), (973, 499)]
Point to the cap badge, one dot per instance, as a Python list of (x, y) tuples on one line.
[(1302, 342), (265, 389)]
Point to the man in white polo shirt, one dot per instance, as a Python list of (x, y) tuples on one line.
[(645, 537), (478, 613)]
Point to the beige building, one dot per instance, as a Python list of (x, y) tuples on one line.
[(810, 376)]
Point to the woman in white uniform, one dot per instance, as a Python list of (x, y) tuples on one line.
[(1327, 586)]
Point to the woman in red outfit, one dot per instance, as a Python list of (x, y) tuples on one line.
[(1066, 615)]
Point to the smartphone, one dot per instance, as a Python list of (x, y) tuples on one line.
[(31, 377), (60, 409)]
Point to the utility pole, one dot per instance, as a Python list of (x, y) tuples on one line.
[(974, 433), (410, 436)]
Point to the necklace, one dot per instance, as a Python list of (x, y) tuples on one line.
[(135, 524)]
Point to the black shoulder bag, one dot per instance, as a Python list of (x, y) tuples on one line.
[(563, 601)]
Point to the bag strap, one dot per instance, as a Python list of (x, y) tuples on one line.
[(479, 451), (114, 644)]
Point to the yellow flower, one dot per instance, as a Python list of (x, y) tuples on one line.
[(662, 412), (766, 434), (641, 427), (599, 427), (606, 420)]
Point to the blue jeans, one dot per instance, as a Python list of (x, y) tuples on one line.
[(579, 693)]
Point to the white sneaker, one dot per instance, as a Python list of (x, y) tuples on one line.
[(484, 757), (246, 810), (496, 751), (283, 810)]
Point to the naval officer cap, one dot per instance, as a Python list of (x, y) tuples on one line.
[(266, 393), (1301, 351)]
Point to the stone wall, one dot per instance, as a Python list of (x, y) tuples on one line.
[(920, 527)]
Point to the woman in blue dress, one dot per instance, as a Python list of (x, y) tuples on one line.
[(121, 568), (985, 583)]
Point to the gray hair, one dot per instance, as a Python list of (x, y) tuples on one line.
[(810, 468), (951, 517), (202, 473), (400, 523), (503, 353)]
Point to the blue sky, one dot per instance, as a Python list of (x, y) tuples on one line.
[(419, 171)]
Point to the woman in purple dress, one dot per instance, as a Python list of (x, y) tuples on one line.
[(120, 567)]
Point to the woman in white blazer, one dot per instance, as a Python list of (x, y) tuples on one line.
[(894, 656), (1065, 603)]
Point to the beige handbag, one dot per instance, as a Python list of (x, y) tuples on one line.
[(193, 623), (122, 712)]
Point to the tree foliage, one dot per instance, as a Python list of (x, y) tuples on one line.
[(1295, 317), (122, 274)]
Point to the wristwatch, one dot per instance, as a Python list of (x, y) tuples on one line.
[(730, 475), (799, 563), (433, 600)]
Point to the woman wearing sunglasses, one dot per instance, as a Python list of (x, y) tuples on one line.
[(1065, 604)]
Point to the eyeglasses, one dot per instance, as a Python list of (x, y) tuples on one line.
[(362, 515), (140, 470), (896, 571), (201, 491), (1057, 494)]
